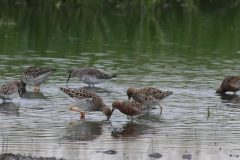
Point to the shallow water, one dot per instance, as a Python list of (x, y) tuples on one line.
[(191, 61)]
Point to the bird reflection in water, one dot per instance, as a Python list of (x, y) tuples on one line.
[(9, 108), (230, 98), (31, 95), (84, 131), (130, 130)]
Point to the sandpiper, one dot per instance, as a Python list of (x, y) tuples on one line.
[(36, 76), (148, 96), (9, 90), (131, 107), (230, 83), (87, 101), (89, 76)]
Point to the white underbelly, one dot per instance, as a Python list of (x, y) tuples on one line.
[(91, 79), (151, 103), (82, 104), (7, 97), (38, 80)]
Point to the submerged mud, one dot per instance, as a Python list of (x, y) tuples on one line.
[(10, 156)]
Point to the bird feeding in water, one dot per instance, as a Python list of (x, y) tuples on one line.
[(9, 90), (86, 100), (36, 76)]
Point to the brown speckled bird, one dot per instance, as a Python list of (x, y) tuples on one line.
[(131, 108), (148, 96), (36, 76), (230, 83), (89, 76), (9, 90), (86, 100)]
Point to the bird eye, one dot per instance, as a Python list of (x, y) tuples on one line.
[(113, 105)]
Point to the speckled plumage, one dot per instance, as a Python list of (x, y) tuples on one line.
[(89, 76), (86, 100), (230, 83), (9, 90), (147, 96), (131, 108), (36, 75)]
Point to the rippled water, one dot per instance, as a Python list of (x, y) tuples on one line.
[(41, 123)]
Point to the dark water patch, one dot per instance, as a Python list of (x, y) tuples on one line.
[(155, 155), (108, 152), (188, 156)]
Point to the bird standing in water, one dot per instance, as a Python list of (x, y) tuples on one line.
[(148, 96), (131, 108), (89, 76), (36, 76), (86, 100)]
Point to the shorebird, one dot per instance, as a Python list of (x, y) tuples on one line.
[(230, 83), (131, 107), (148, 96), (87, 101), (89, 76), (9, 90), (36, 76)]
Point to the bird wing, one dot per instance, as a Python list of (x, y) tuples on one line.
[(232, 83), (155, 93), (36, 71), (98, 74), (136, 105), (8, 88), (83, 94)]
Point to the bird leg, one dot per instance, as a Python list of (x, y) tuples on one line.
[(161, 107), (35, 88), (39, 88), (82, 113)]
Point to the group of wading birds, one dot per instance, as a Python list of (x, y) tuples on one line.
[(144, 99)]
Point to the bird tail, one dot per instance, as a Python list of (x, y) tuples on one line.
[(66, 91), (111, 76), (53, 69)]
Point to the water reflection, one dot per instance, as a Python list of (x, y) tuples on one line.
[(130, 130), (83, 131), (230, 98), (31, 95), (149, 118), (9, 108), (149, 50)]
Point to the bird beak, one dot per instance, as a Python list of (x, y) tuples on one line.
[(112, 111), (69, 77), (129, 97), (19, 93)]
